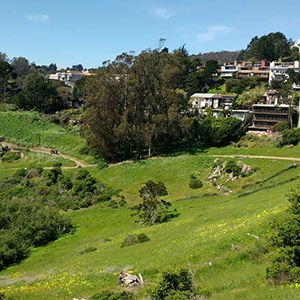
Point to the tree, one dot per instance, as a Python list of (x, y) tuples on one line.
[(21, 66), (105, 121), (271, 47), (252, 96), (153, 210), (3, 57), (285, 92), (134, 104), (79, 89), (77, 67), (220, 131), (7, 77), (39, 94)]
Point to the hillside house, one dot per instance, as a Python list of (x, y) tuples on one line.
[(278, 70), (265, 116), (228, 70), (68, 76), (205, 100), (246, 69)]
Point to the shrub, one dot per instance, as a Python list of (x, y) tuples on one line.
[(195, 183), (173, 285), (291, 136), (10, 157), (285, 241), (135, 239), (232, 167), (83, 183), (281, 126)]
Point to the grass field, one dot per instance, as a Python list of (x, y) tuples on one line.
[(200, 237)]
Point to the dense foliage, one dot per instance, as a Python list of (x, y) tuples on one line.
[(26, 86), (285, 239), (134, 104), (175, 284), (290, 137), (270, 47), (26, 221), (30, 201), (219, 131)]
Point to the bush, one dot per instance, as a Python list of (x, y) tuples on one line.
[(174, 284), (195, 183), (291, 136), (10, 157), (135, 239), (285, 241), (232, 167), (281, 126)]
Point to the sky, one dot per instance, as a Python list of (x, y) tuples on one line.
[(89, 32)]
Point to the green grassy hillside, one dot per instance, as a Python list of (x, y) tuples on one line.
[(30, 129), (90, 260)]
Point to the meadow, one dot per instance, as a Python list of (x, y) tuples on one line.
[(90, 260)]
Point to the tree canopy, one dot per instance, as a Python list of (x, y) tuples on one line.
[(134, 103), (270, 47)]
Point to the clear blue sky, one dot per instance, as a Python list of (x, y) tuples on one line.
[(89, 32)]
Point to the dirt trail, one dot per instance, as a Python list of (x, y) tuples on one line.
[(78, 163), (260, 156)]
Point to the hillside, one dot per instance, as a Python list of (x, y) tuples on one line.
[(91, 259), (221, 56)]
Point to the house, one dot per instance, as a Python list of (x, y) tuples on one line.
[(228, 70), (278, 70), (258, 69), (245, 69), (205, 100), (201, 100), (69, 76), (265, 116)]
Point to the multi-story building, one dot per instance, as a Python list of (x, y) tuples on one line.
[(245, 69), (265, 116), (278, 70)]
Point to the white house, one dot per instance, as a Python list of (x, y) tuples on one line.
[(278, 69), (227, 71), (201, 100), (68, 76)]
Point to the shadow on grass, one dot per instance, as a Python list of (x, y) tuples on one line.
[(249, 192)]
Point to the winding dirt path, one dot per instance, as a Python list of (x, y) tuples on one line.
[(78, 163)]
